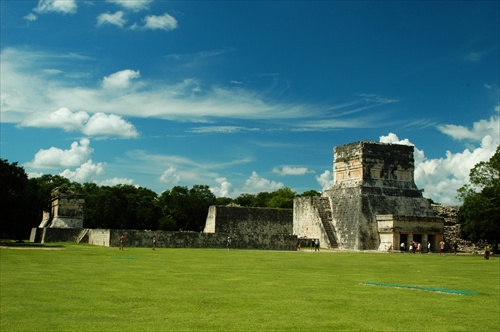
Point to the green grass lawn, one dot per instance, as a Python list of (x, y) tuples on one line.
[(90, 288)]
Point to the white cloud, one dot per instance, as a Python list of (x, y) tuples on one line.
[(55, 157), (170, 176), (99, 124), (120, 80), (85, 173), (223, 189), (163, 22), (30, 17), (325, 180), (111, 125), (392, 138), (25, 87), (222, 129), (290, 170), (441, 177), (256, 184), (115, 181), (132, 5), (479, 130), (56, 6), (152, 22), (61, 118), (117, 19)]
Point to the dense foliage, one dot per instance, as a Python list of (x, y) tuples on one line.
[(21, 202), (480, 213), (120, 206)]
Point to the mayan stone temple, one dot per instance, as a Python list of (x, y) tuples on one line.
[(373, 204)]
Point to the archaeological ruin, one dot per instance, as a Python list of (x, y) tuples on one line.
[(373, 204)]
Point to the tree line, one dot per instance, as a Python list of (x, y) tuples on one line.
[(182, 208), (121, 206)]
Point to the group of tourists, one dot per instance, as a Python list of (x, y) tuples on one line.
[(414, 247)]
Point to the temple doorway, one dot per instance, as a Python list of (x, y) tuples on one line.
[(432, 240), (403, 238)]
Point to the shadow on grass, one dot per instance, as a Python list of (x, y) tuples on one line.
[(23, 244)]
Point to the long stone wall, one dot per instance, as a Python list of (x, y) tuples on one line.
[(248, 228), (135, 238), (138, 238), (243, 220)]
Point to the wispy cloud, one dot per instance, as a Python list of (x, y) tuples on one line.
[(221, 129), (56, 6), (117, 19), (291, 170), (162, 22), (26, 89), (52, 6), (132, 5), (478, 131)]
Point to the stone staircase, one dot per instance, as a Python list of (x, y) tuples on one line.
[(82, 234), (325, 213)]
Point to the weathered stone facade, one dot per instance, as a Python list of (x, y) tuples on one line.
[(244, 220), (372, 179), (66, 211)]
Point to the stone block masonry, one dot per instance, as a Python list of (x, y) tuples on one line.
[(248, 228), (66, 211), (244, 220), (143, 239), (372, 179)]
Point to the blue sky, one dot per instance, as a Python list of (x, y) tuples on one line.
[(246, 96)]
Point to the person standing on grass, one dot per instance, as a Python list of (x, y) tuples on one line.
[(122, 239), (441, 248), (419, 247), (228, 242), (402, 247), (316, 245), (455, 247), (154, 242), (487, 252), (429, 247)]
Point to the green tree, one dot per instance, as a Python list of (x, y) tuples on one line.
[(310, 193), (261, 199), (120, 207), (245, 200), (223, 201), (185, 209), (21, 204), (282, 198), (480, 214)]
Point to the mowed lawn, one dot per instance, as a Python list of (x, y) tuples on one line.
[(69, 287)]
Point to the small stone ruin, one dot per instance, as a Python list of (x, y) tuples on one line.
[(66, 210)]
